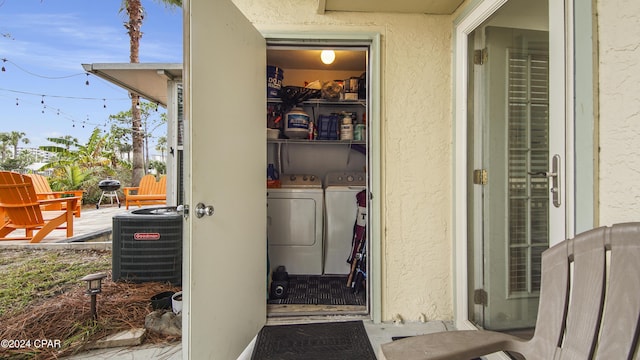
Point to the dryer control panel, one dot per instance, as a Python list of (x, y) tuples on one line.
[(300, 181), (346, 178)]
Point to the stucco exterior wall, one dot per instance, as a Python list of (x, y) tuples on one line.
[(416, 132), (619, 103)]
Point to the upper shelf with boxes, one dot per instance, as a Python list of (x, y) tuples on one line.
[(319, 112)]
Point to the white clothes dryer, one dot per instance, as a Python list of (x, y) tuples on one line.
[(341, 208), (294, 224)]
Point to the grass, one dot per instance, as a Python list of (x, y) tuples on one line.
[(42, 297), (29, 276)]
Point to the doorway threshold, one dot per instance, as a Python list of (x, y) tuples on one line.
[(308, 316), (288, 310)]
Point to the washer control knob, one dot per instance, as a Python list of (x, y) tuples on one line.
[(305, 178), (350, 178), (312, 178), (292, 178)]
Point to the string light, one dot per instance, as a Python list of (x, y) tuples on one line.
[(62, 96), (5, 60), (59, 111)]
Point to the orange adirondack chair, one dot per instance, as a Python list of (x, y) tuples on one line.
[(21, 209), (149, 192), (44, 192)]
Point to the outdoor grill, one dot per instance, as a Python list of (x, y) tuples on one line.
[(109, 189), (109, 185)]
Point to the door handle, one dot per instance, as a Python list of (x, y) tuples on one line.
[(554, 175), (202, 210), (543, 174)]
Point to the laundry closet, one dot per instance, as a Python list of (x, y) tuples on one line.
[(317, 180)]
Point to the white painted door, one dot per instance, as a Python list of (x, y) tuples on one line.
[(225, 261), (519, 141)]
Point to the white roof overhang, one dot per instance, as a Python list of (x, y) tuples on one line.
[(149, 80)]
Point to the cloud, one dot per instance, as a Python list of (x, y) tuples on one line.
[(61, 42)]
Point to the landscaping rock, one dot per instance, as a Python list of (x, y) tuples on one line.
[(164, 322)]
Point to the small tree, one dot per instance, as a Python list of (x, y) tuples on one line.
[(24, 159), (93, 156), (71, 177), (120, 127), (160, 167)]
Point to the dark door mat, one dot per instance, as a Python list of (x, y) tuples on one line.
[(323, 341), (320, 290)]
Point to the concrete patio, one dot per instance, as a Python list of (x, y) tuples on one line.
[(94, 225)]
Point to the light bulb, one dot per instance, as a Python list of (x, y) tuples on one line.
[(327, 56)]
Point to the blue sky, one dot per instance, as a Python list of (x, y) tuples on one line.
[(45, 42)]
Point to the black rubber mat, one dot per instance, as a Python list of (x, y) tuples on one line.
[(320, 290), (323, 341)]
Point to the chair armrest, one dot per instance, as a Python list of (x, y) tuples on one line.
[(58, 194), (46, 195), (127, 190), (71, 199), (451, 345)]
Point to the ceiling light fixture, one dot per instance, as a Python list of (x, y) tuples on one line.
[(327, 56)]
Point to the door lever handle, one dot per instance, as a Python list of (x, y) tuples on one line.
[(554, 175), (538, 173), (556, 181), (546, 174)]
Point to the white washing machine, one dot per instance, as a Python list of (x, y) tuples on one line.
[(341, 208), (294, 224)]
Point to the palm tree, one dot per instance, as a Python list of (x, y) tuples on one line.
[(161, 145), (135, 14), (14, 140), (4, 142)]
